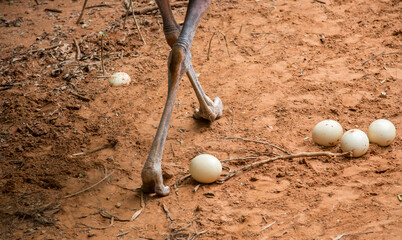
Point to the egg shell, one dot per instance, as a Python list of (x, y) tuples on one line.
[(382, 132), (327, 133), (205, 168), (355, 141), (119, 78)]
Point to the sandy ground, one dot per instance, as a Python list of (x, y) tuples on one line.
[(291, 65)]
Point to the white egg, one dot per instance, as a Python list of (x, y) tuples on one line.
[(355, 141), (382, 132), (119, 78), (327, 133), (205, 168)]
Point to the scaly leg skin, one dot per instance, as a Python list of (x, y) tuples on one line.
[(208, 110), (178, 64), (152, 180)]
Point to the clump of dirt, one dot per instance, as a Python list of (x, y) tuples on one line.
[(287, 65)]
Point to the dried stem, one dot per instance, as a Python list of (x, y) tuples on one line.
[(210, 41), (78, 56), (255, 141), (82, 12), (131, 7), (181, 180), (100, 5), (242, 158), (102, 64), (146, 10), (88, 188), (109, 215), (55, 10), (290, 156), (83, 98), (166, 210), (383, 53), (268, 226), (111, 144), (351, 234)]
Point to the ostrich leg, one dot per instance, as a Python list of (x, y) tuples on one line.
[(179, 63)]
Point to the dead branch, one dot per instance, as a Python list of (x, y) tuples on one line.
[(122, 234), (268, 226), (255, 141), (351, 234), (102, 64), (136, 215), (80, 96), (242, 158), (42, 214), (146, 10), (107, 214), (44, 49), (381, 54), (100, 5), (166, 210), (196, 235), (364, 62), (322, 2), (78, 56), (135, 21), (82, 12), (88, 188), (6, 86), (181, 180), (290, 156), (53, 10), (111, 144), (37, 2), (210, 41)]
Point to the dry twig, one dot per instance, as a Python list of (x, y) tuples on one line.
[(135, 20), (102, 64), (88, 188), (136, 215), (111, 144), (350, 234), (82, 12), (364, 62), (242, 158), (123, 233), (6, 86), (44, 49), (83, 98), (146, 10), (210, 41), (196, 235), (269, 225), (166, 210), (100, 5), (255, 141), (381, 54), (78, 56), (290, 156), (53, 10), (107, 214), (181, 180)]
